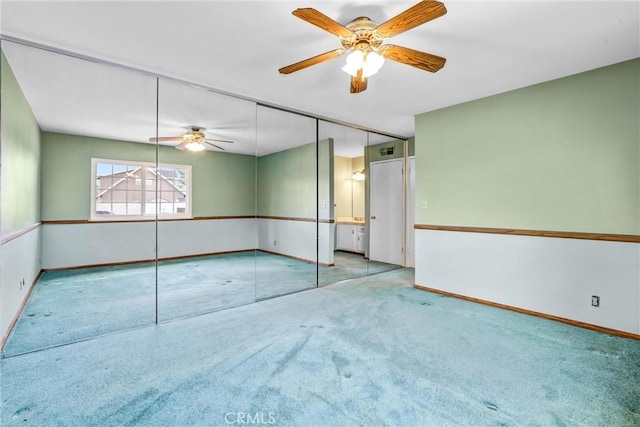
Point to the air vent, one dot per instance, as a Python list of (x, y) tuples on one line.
[(386, 151)]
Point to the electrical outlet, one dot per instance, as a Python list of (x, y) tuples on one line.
[(424, 204), (275, 243), (22, 284), (595, 301)]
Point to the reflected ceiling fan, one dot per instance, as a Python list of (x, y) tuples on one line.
[(362, 42), (193, 140)]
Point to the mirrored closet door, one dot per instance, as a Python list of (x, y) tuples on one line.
[(75, 156), (142, 199), (205, 185), (292, 193), (346, 239)]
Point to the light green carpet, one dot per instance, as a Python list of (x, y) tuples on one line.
[(372, 351)]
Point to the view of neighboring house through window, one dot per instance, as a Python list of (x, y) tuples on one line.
[(136, 189)]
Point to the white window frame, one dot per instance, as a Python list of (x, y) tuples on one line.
[(144, 217)]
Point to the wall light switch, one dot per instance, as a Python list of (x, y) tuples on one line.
[(424, 204)]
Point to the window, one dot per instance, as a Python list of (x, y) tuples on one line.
[(136, 190)]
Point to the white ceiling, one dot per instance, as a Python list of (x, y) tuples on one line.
[(238, 46)]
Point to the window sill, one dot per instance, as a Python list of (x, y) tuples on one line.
[(139, 219)]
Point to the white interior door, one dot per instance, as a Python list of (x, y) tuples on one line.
[(385, 222), (410, 240)]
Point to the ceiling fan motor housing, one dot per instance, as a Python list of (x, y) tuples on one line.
[(364, 36), (195, 135)]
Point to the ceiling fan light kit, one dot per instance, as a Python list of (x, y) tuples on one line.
[(369, 62), (362, 40), (194, 146)]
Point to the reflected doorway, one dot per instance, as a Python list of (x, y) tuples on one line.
[(386, 189)]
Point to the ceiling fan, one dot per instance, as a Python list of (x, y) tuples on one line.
[(193, 140), (362, 40)]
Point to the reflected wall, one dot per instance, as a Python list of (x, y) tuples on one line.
[(19, 196)]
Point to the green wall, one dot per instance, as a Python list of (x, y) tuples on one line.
[(326, 188), (20, 155), (562, 155), (223, 184), (287, 182), (411, 142)]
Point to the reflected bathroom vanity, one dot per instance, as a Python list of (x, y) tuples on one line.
[(351, 234)]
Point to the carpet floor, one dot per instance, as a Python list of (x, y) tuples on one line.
[(371, 351), (73, 305)]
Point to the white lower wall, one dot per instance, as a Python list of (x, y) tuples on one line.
[(183, 238), (297, 239), (72, 245), (20, 260), (549, 275)]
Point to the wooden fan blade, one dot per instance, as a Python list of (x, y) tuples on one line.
[(424, 61), (321, 20), (358, 83), (311, 61), (183, 144), (166, 139), (218, 140), (213, 145), (422, 12)]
